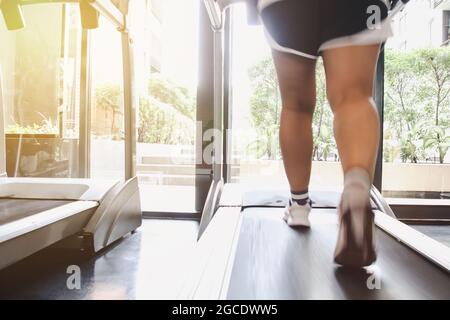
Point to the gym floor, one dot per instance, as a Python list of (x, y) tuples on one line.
[(146, 265)]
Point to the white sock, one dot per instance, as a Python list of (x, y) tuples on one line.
[(301, 198)]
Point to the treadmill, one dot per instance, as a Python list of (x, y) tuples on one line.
[(246, 250), (83, 214)]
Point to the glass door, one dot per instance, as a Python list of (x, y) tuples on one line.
[(40, 67), (166, 125), (107, 134), (417, 104), (69, 93)]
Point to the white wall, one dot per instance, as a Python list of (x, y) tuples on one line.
[(418, 25)]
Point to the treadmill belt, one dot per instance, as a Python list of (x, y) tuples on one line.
[(15, 209), (274, 261)]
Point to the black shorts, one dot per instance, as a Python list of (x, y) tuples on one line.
[(307, 27)]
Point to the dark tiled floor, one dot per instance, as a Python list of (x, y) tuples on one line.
[(146, 265)]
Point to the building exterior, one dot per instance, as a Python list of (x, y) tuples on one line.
[(155, 34), (422, 23)]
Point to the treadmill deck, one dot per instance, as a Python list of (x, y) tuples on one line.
[(274, 261), (15, 209)]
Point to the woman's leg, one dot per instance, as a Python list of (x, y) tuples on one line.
[(296, 76), (350, 75)]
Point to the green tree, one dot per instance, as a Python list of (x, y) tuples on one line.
[(161, 123), (402, 104), (436, 138), (169, 93), (109, 97), (434, 68), (410, 148), (417, 98), (324, 143), (265, 107), (167, 114)]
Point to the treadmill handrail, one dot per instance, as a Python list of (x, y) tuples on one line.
[(381, 202), (214, 13), (110, 12), (215, 10)]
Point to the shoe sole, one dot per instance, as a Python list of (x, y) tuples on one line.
[(351, 251)]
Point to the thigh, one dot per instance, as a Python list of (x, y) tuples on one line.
[(296, 77), (350, 72)]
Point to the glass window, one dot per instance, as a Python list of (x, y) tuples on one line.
[(256, 107), (40, 67), (417, 107), (446, 27), (107, 149), (165, 152)]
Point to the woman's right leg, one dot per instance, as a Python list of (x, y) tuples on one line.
[(350, 73)]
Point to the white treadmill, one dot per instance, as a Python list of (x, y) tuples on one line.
[(38, 212)]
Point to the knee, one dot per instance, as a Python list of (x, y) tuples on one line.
[(350, 99), (300, 104)]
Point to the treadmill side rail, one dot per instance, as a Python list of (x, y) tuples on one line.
[(208, 274), (55, 188), (416, 240), (119, 213), (42, 219), (23, 237)]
